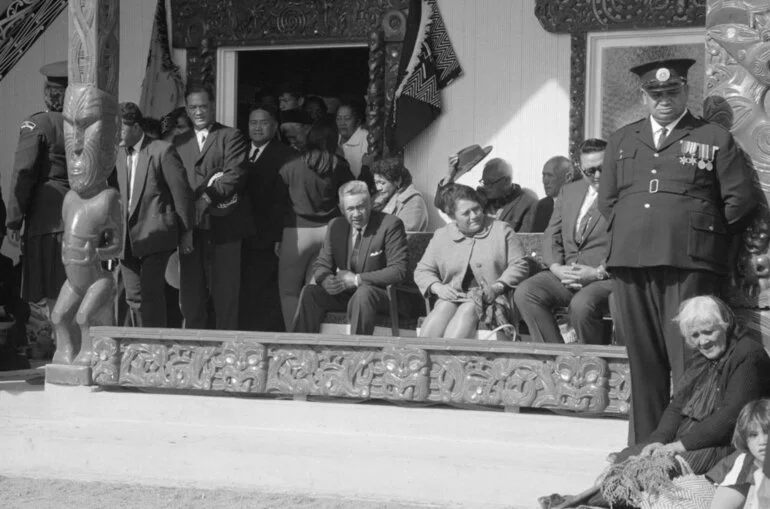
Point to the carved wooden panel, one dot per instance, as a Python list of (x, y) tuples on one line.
[(577, 378), (577, 17), (93, 44)]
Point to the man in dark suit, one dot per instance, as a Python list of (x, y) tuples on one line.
[(214, 157), (674, 188), (555, 172), (158, 206), (575, 249), (363, 253), (260, 305)]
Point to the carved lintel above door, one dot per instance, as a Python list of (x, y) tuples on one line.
[(201, 26)]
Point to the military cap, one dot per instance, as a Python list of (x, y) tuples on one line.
[(295, 116), (663, 74), (55, 73)]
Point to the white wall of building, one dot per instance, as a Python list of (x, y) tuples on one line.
[(514, 93)]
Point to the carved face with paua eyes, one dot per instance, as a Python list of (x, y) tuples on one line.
[(91, 135)]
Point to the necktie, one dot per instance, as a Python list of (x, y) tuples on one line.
[(253, 158), (584, 222), (130, 171), (354, 252), (662, 133), (202, 142)]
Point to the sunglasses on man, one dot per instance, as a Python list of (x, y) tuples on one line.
[(590, 172)]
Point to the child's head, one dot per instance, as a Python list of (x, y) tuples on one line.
[(752, 428)]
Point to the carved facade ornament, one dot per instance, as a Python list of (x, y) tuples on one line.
[(262, 363), (578, 17), (22, 23), (737, 83)]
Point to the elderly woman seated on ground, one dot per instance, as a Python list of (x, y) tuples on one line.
[(397, 195), (728, 369), (469, 265)]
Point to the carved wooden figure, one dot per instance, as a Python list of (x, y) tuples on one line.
[(738, 77), (92, 211)]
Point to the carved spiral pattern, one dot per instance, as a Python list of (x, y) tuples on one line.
[(291, 20)]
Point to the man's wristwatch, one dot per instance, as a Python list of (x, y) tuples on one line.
[(601, 274)]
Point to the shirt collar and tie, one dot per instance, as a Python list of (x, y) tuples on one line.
[(256, 152), (356, 234), (201, 136), (587, 212), (132, 155), (660, 132)]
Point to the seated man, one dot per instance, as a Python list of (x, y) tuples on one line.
[(555, 174), (574, 248), (363, 252), (507, 201)]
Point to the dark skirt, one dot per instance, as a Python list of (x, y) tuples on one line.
[(43, 272)]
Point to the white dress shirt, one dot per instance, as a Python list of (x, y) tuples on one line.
[(132, 159), (589, 200), (354, 150), (656, 127), (259, 150), (201, 137)]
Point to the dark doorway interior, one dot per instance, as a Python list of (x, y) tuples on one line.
[(330, 73)]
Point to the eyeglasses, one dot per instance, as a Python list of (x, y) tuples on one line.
[(487, 183), (592, 170)]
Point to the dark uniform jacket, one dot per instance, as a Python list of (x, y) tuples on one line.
[(39, 176), (266, 201), (225, 150), (665, 210), (162, 203), (560, 244)]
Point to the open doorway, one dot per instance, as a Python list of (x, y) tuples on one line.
[(331, 73)]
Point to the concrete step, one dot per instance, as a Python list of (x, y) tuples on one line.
[(434, 455)]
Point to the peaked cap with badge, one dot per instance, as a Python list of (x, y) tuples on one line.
[(673, 197)]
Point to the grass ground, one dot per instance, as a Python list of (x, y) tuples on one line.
[(24, 493)]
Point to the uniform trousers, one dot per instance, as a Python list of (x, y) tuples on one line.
[(144, 281), (647, 301), (210, 270), (536, 298), (362, 305), (260, 306)]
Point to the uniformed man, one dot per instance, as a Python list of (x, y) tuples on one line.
[(673, 189), (37, 192)]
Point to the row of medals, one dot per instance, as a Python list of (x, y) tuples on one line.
[(699, 153)]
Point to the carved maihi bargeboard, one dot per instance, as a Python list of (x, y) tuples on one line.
[(584, 379)]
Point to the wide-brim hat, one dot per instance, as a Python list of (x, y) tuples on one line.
[(172, 270), (469, 157)]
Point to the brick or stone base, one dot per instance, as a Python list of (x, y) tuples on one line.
[(62, 374)]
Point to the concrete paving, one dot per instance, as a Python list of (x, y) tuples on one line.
[(437, 456)]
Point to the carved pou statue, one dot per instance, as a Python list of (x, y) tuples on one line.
[(93, 221), (738, 78)]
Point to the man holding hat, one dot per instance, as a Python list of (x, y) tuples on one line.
[(38, 186), (673, 189), (459, 164)]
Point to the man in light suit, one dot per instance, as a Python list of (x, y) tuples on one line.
[(363, 253), (158, 207), (260, 305), (574, 248), (214, 156)]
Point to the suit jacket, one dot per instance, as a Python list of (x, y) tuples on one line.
[(543, 213), (665, 210), (40, 179), (383, 257), (162, 204), (225, 150), (261, 187), (560, 243)]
